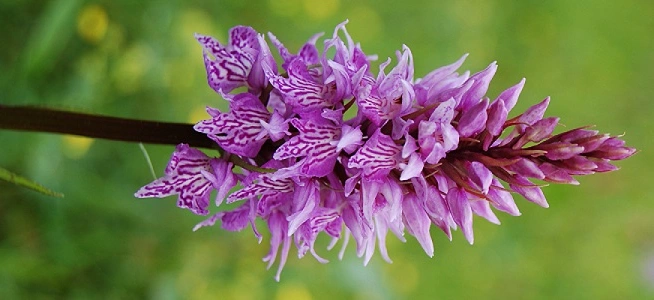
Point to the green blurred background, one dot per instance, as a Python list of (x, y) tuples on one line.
[(139, 59)]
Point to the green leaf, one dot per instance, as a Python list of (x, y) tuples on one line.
[(16, 179)]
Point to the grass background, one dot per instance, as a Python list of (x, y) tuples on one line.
[(139, 59)]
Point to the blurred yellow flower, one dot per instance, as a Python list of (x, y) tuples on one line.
[(92, 23)]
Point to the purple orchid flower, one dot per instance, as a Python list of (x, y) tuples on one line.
[(418, 152)]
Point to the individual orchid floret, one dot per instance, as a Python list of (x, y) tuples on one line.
[(244, 129), (192, 175), (377, 157), (236, 64), (319, 142)]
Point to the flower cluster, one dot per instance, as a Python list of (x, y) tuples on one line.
[(321, 143)]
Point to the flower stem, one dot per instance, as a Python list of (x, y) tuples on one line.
[(37, 119)]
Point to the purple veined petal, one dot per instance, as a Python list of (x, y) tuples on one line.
[(184, 177), (229, 67), (243, 38), (482, 208), (502, 199), (314, 142), (377, 157), (457, 200), (265, 185), (309, 52), (376, 108), (357, 81), (238, 130), (530, 191), (481, 82), (418, 222), (480, 176), (473, 120), (300, 90)]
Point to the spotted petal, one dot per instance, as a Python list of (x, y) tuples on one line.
[(184, 177), (377, 157), (300, 90), (229, 67), (315, 142), (238, 131)]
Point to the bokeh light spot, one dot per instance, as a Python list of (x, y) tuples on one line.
[(92, 23), (320, 10), (76, 146)]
